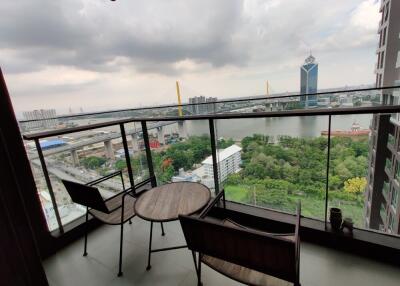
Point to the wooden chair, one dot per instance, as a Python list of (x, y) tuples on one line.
[(116, 210), (245, 254)]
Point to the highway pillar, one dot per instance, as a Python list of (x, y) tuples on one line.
[(160, 135), (109, 149), (75, 157), (182, 130), (135, 143)]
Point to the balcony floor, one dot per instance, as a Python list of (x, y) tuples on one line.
[(319, 265)]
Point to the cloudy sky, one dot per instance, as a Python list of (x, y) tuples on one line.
[(98, 54)]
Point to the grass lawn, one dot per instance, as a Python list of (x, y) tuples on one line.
[(311, 206), (236, 193)]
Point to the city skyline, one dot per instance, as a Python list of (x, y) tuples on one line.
[(49, 63)]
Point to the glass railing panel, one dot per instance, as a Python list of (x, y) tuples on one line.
[(183, 153), (282, 160), (349, 165), (271, 103), (81, 157), (43, 191), (137, 153)]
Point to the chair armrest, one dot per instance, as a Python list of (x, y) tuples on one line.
[(216, 200)]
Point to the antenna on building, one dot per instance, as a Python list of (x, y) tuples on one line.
[(178, 94)]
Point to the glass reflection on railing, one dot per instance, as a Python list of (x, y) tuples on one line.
[(276, 102), (181, 151), (267, 162), (274, 162), (349, 161)]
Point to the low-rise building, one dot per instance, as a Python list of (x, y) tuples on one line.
[(228, 161)]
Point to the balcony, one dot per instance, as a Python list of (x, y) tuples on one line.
[(320, 157), (319, 265), (285, 151)]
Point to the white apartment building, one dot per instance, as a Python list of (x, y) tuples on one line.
[(228, 161)]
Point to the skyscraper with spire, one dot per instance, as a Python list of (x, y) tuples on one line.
[(309, 81)]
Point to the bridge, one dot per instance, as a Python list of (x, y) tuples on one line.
[(107, 138)]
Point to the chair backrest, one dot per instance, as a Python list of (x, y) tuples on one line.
[(272, 255), (86, 195)]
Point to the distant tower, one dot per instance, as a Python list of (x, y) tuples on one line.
[(309, 81)]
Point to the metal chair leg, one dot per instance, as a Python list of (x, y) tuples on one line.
[(194, 260), (162, 229), (86, 233), (120, 250), (195, 266), (149, 257), (199, 271)]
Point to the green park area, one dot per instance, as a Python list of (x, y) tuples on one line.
[(275, 175), (278, 175)]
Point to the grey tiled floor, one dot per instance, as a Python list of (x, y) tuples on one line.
[(319, 266)]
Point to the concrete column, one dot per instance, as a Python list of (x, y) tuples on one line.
[(75, 157), (109, 149), (135, 143), (160, 135), (182, 130)]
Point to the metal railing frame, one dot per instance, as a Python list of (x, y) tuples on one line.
[(211, 119)]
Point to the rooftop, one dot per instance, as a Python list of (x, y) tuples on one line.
[(223, 154)]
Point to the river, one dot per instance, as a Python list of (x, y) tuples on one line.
[(310, 126), (237, 129)]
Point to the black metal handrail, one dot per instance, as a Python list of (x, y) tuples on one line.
[(252, 98)]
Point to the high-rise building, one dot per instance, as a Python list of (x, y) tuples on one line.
[(309, 81), (43, 118), (382, 202), (199, 106)]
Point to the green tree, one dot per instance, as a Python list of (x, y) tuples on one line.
[(355, 185), (93, 162)]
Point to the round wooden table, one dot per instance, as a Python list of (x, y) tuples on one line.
[(165, 203)]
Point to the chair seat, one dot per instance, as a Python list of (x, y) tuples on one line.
[(243, 274), (115, 216)]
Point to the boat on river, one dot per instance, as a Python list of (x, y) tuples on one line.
[(355, 131)]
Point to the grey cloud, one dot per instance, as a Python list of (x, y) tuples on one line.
[(71, 33), (152, 36)]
